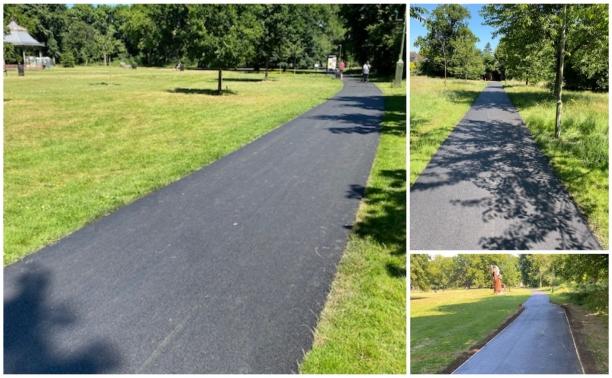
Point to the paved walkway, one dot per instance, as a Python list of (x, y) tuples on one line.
[(224, 271), (489, 187), (537, 342)]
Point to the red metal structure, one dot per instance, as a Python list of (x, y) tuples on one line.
[(497, 279)]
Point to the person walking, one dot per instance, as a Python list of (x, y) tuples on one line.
[(341, 68), (366, 71)]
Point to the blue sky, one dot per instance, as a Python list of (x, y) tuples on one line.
[(475, 23)]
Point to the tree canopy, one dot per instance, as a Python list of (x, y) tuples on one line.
[(530, 270), (529, 45), (215, 35), (530, 35)]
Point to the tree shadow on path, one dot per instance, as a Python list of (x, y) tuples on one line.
[(30, 321), (501, 159)]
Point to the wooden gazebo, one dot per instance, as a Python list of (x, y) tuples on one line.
[(19, 37)]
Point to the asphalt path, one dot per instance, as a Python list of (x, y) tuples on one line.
[(538, 341), (224, 271), (489, 187)]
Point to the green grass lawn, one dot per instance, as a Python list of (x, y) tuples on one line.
[(580, 156), (362, 328), (81, 142), (434, 112), (445, 324)]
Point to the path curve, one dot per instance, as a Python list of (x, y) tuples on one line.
[(224, 271), (538, 341), (489, 187)]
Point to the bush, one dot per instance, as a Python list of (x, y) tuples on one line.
[(68, 59), (593, 296)]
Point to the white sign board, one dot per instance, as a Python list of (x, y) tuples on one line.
[(331, 63)]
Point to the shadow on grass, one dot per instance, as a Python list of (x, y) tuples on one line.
[(103, 83), (202, 91), (385, 218), (245, 79), (30, 325), (462, 96), (589, 144)]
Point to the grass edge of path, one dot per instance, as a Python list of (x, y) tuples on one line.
[(475, 348), (446, 324), (430, 126), (362, 327), (591, 341), (580, 188)]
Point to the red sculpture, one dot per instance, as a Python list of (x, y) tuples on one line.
[(497, 279)]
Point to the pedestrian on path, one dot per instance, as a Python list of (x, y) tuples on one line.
[(366, 71), (341, 68)]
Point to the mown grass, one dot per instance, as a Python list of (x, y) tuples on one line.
[(445, 324), (434, 112), (588, 307), (580, 156), (81, 142), (362, 328)]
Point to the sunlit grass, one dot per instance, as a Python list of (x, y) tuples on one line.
[(81, 142), (434, 113), (580, 156), (363, 325), (445, 324)]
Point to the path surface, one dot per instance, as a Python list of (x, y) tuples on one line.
[(489, 187), (537, 342), (224, 271)]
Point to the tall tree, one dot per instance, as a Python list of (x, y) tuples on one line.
[(374, 33), (275, 34), (466, 61), (546, 32), (419, 272), (446, 24), (222, 36), (80, 40)]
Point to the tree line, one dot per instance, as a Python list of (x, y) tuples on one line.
[(528, 270), (214, 36), (529, 46), (563, 45)]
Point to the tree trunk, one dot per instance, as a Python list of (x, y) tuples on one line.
[(220, 82), (559, 73), (105, 63), (266, 74), (444, 53)]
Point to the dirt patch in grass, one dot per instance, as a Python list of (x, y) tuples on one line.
[(591, 337), (476, 347)]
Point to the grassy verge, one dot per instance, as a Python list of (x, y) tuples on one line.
[(445, 324), (434, 112), (362, 328), (79, 143), (580, 156), (588, 314)]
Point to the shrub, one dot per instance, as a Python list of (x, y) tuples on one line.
[(68, 59)]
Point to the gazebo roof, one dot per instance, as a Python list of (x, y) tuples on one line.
[(19, 36)]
